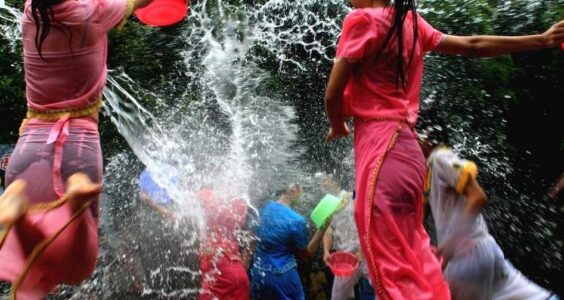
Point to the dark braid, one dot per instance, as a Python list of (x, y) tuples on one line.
[(42, 14), (401, 10)]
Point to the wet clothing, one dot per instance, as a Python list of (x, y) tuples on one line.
[(343, 286), (478, 269), (58, 140), (365, 290), (223, 273), (281, 232), (395, 244), (344, 235), (72, 256), (224, 278), (73, 72), (276, 285), (389, 165), (371, 92), (345, 238)]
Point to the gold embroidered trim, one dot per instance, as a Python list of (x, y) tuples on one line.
[(128, 12), (53, 115), (371, 193)]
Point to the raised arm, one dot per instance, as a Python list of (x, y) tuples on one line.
[(327, 244), (309, 251), (141, 3), (340, 74), (476, 198), (489, 46), (313, 245)]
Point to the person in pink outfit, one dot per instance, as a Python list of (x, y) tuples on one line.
[(376, 80), (49, 211)]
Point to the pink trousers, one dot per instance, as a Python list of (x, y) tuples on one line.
[(46, 154), (390, 170)]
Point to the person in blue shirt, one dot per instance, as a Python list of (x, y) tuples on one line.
[(282, 234)]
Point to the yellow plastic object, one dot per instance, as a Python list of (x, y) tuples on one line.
[(325, 209)]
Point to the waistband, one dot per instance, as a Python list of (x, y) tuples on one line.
[(82, 122), (359, 120), (56, 114)]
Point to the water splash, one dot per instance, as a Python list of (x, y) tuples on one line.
[(311, 27), (10, 27)]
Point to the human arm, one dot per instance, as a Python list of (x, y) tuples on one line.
[(340, 74), (460, 176), (309, 251), (164, 212), (489, 46), (359, 256), (327, 244), (476, 200), (140, 3), (115, 13), (358, 41)]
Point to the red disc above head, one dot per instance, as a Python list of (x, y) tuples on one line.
[(162, 13)]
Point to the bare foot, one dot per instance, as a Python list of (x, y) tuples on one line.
[(80, 187), (13, 202)]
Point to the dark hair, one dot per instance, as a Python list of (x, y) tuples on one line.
[(282, 191), (401, 9), (42, 14)]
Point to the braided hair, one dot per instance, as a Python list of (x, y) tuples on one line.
[(42, 14), (401, 10)]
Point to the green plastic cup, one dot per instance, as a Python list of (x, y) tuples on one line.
[(327, 206)]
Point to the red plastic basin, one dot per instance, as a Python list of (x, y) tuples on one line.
[(162, 13), (342, 263)]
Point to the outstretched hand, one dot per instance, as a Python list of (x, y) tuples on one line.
[(554, 36), (337, 132), (327, 224)]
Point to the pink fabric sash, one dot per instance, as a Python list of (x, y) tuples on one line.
[(58, 135)]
